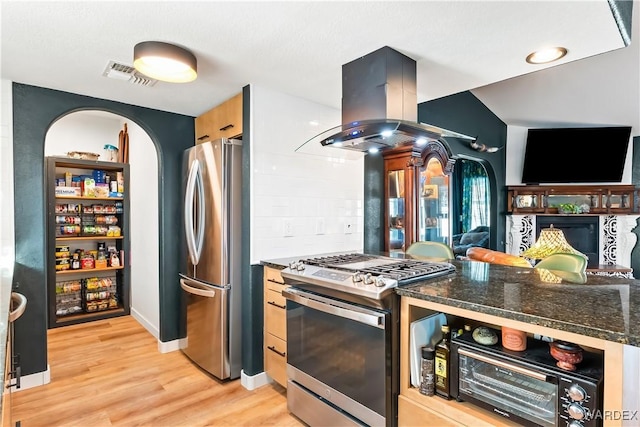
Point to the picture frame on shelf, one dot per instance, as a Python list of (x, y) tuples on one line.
[(430, 191)]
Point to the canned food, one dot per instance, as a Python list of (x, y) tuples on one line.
[(62, 251), (62, 264), (87, 262)]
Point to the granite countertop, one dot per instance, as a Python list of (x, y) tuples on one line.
[(597, 306), (602, 307)]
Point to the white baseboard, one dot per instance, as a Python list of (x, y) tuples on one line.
[(169, 346), (145, 323), (33, 380), (163, 347), (254, 382)]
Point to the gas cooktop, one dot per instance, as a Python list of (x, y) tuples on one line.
[(369, 276)]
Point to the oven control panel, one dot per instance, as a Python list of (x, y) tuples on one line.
[(578, 403)]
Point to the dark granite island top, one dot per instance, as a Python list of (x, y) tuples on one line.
[(606, 308)]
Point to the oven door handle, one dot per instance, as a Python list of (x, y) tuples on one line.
[(505, 365), (337, 308)]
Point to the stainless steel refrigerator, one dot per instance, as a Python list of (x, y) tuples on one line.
[(212, 183)]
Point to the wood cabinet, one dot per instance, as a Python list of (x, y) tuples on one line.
[(6, 393), (88, 240), (415, 408), (275, 326), (416, 195), (545, 199), (223, 121)]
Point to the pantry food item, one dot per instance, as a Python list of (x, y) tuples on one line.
[(83, 155), (485, 336)]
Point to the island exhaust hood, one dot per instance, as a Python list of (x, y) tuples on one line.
[(380, 106)]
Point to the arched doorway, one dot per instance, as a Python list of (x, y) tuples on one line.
[(90, 131)]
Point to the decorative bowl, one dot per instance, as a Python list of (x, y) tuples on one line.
[(567, 354)]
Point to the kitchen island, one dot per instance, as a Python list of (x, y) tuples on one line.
[(601, 314)]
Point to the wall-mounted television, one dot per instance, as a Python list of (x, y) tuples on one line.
[(575, 155)]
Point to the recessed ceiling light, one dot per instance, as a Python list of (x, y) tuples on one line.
[(544, 56)]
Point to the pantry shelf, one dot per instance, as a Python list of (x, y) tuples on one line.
[(87, 229), (90, 198), (62, 239), (86, 317), (87, 270)]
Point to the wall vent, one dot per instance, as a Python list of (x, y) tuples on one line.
[(115, 70)]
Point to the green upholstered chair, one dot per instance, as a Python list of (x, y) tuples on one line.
[(564, 262), (430, 249)]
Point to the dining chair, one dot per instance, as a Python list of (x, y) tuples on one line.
[(564, 262), (430, 249)]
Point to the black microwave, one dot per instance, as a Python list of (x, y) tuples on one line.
[(527, 387)]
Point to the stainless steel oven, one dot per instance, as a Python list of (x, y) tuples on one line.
[(343, 337), (336, 354), (527, 387)]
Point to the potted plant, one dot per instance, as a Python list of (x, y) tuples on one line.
[(569, 208)]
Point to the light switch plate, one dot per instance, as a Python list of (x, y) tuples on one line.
[(287, 228)]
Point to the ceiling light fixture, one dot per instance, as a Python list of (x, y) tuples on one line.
[(164, 61), (547, 55)]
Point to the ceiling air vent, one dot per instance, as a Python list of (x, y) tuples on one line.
[(118, 71)]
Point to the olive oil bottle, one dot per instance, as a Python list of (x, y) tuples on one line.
[(442, 365)]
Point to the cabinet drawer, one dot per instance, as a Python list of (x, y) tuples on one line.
[(275, 318), (275, 298), (273, 279), (275, 359)]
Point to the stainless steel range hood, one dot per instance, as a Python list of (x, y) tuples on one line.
[(380, 106)]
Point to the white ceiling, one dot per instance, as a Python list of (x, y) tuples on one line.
[(296, 47)]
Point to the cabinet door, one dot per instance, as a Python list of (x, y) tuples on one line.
[(229, 118), (433, 203), (223, 121), (399, 200), (6, 394), (204, 125)]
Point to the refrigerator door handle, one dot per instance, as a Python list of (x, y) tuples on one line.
[(188, 212), (202, 208), (197, 291)]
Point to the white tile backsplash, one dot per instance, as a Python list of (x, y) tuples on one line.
[(299, 187), (7, 250)]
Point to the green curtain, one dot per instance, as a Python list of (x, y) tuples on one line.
[(475, 195)]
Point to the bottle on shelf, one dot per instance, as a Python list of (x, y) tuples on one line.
[(427, 384), (442, 376)]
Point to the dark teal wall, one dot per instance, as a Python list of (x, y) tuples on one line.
[(34, 111), (462, 113), (252, 282)]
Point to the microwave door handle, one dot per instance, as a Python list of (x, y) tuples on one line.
[(362, 316), (506, 365)]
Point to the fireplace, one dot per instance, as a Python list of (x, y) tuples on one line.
[(613, 236), (581, 231)]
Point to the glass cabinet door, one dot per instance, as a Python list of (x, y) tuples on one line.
[(396, 210), (433, 212)]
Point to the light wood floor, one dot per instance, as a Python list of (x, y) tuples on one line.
[(110, 372)]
